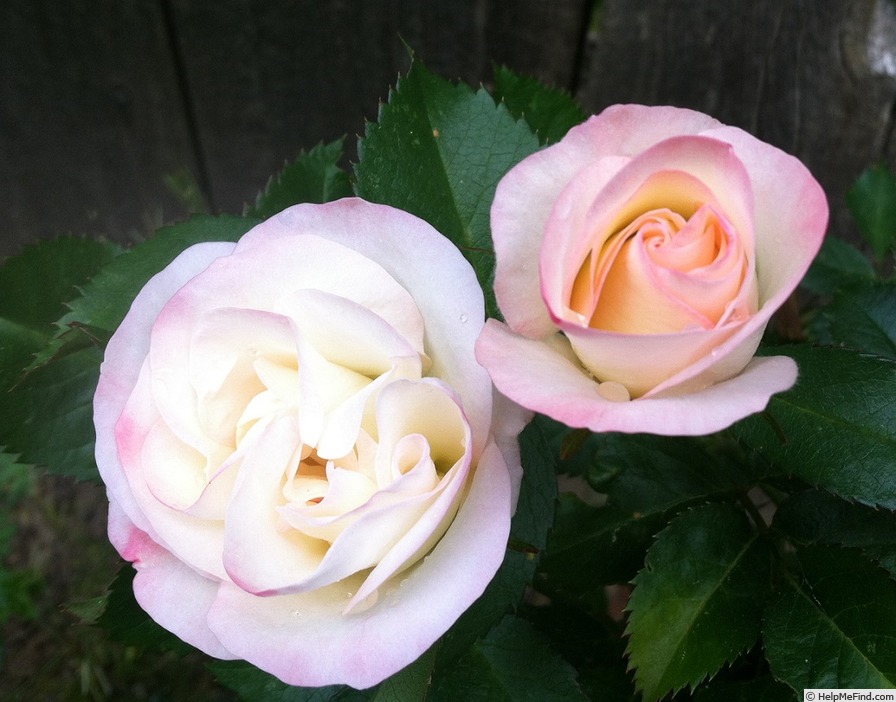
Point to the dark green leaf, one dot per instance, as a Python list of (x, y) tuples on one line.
[(656, 473), (863, 317), (816, 516), (410, 684), (836, 265), (438, 151), (549, 112), (254, 685), (513, 663), (33, 287), (108, 297), (592, 547), (836, 428), (528, 536), (314, 176), (872, 201), (48, 417), (834, 626), (698, 602)]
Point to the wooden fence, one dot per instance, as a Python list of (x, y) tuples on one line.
[(109, 107)]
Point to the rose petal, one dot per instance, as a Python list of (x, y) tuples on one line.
[(173, 594), (446, 291), (540, 378), (526, 194), (123, 361), (305, 640)]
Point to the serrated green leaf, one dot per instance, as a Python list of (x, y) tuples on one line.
[(549, 112), (314, 176), (107, 298), (836, 428), (817, 517), (513, 664), (595, 546), (33, 287), (698, 602), (47, 418), (834, 626), (528, 537), (410, 684), (837, 264), (657, 473), (872, 201), (863, 318), (438, 151)]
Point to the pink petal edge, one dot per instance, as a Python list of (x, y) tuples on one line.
[(541, 379)]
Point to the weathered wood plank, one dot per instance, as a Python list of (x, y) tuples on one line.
[(90, 119), (814, 77), (270, 78)]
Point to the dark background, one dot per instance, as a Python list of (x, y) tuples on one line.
[(119, 115)]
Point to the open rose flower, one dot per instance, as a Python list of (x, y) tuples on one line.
[(299, 445), (638, 262)]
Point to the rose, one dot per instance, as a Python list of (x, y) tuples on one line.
[(638, 262), (299, 447)]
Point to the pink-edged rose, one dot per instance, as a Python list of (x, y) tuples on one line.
[(638, 262), (302, 455)]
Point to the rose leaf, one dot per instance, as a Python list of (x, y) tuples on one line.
[(595, 546), (837, 264), (833, 626), (836, 428), (872, 201), (863, 317), (314, 176), (656, 473), (512, 663), (818, 517), (549, 112), (47, 418), (438, 151), (107, 297), (33, 286), (697, 604)]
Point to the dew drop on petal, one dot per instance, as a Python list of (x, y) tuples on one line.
[(613, 391), (463, 319)]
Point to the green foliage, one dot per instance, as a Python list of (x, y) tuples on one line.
[(834, 624), (862, 317), (817, 517), (107, 298), (720, 601), (872, 201), (836, 428), (314, 176), (513, 664), (549, 112), (698, 602), (438, 151), (836, 265)]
